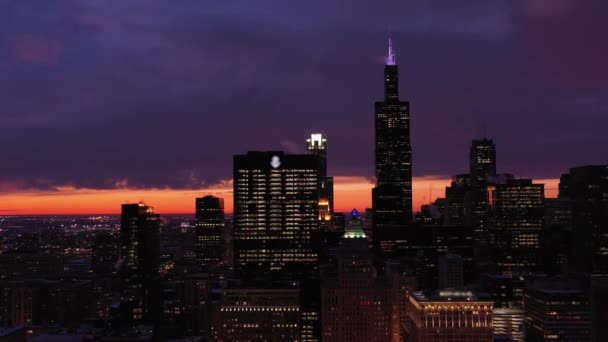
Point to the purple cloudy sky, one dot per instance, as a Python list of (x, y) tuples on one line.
[(164, 92)]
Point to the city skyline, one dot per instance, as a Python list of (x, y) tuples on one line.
[(67, 128), (324, 171)]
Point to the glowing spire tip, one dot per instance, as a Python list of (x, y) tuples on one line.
[(390, 58)]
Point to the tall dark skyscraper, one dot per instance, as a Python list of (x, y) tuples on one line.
[(587, 188), (393, 149), (209, 230), (140, 254), (482, 171), (276, 215), (392, 196), (482, 161)]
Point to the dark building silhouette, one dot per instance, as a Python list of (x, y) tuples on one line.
[(556, 237), (210, 226), (140, 257), (518, 215), (422, 246), (105, 253), (357, 304), (458, 201), (557, 311), (451, 271), (482, 161), (587, 188), (392, 196)]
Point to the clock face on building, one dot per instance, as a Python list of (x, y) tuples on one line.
[(275, 162)]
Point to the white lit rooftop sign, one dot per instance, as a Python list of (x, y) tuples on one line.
[(275, 162)]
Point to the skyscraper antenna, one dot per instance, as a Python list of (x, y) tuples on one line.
[(390, 57)]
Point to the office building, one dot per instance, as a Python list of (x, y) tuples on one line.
[(482, 161), (277, 233), (258, 314), (276, 223), (587, 189), (451, 271), (518, 215), (557, 311), (209, 232), (140, 257), (509, 323), (317, 145), (449, 316), (392, 196)]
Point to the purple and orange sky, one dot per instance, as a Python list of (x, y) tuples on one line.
[(103, 102)]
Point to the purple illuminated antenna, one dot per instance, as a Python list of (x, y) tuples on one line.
[(390, 58)]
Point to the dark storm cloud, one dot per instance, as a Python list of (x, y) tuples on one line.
[(162, 93)]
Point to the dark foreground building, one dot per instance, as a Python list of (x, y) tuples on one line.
[(359, 305), (140, 257)]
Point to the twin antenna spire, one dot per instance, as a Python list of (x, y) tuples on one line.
[(390, 58)]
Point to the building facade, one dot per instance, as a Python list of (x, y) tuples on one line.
[(392, 196), (140, 257), (518, 215), (449, 316), (210, 224)]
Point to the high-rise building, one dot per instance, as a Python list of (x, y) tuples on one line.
[(557, 311), (392, 196), (556, 237), (587, 189), (359, 305), (482, 161), (317, 145), (209, 230), (458, 201), (451, 271), (518, 215), (276, 225), (140, 254), (449, 316)]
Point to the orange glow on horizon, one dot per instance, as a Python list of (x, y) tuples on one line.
[(349, 191)]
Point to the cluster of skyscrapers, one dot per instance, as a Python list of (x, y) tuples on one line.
[(493, 260)]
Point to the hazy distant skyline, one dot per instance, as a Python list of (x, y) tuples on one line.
[(120, 96)]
